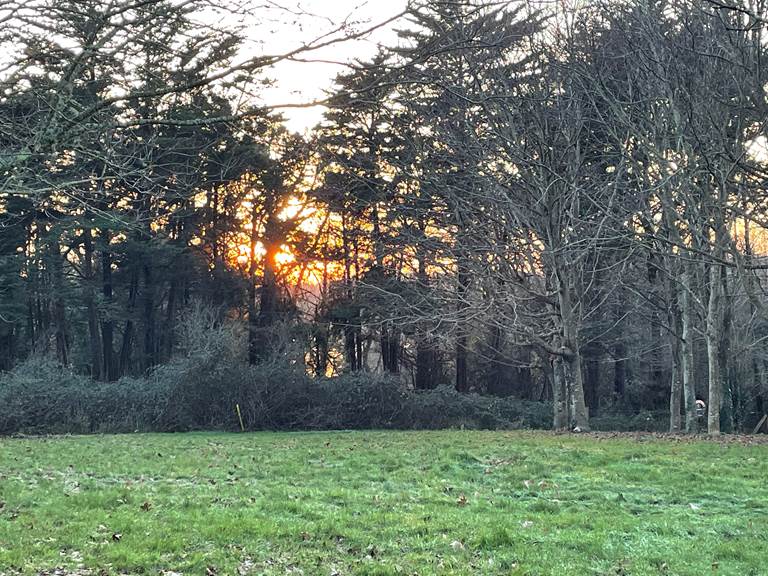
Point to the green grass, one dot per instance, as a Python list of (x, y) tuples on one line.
[(382, 503)]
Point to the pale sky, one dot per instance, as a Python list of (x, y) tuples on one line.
[(303, 82)]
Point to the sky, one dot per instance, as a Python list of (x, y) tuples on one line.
[(280, 26), (306, 81)]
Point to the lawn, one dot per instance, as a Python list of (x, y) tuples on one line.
[(382, 503)]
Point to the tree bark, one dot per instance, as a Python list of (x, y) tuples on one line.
[(580, 413), (90, 306), (109, 371), (126, 347), (572, 356), (390, 349), (426, 364), (727, 416), (462, 383), (261, 325), (676, 387), (687, 349), (675, 335), (58, 312), (619, 370), (150, 337), (169, 330), (592, 381), (713, 327), (559, 394)]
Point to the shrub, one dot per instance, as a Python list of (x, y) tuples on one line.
[(41, 397), (199, 391), (445, 407)]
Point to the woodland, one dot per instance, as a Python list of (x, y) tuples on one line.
[(517, 213)]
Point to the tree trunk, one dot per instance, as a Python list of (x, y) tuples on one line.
[(687, 345), (150, 338), (350, 348), (426, 355), (389, 339), (713, 327), (574, 375), (361, 350), (580, 413), (109, 371), (59, 309), (592, 381), (390, 349), (254, 353), (559, 394), (126, 348), (757, 385), (426, 364), (169, 330), (90, 306), (322, 359), (727, 416), (676, 385), (619, 370), (261, 327), (462, 383), (350, 329)]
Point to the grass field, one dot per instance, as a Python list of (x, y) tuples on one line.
[(381, 503)]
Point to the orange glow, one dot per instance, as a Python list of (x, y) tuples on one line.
[(283, 258)]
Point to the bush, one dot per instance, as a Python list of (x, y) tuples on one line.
[(444, 407), (199, 392), (200, 389), (41, 397)]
